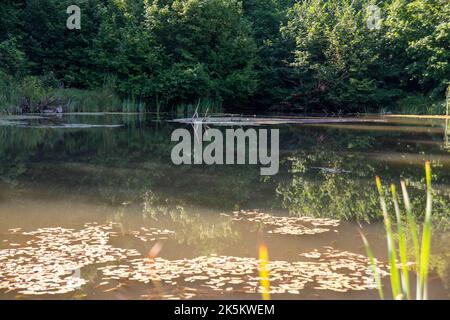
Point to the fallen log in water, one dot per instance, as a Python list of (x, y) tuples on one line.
[(255, 121)]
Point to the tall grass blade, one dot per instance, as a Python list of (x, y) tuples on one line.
[(414, 234), (421, 251), (402, 246), (426, 236), (447, 100), (375, 272), (395, 278)]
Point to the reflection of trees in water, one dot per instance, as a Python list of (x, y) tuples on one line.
[(21, 147), (117, 164), (328, 184), (17, 146), (331, 184), (210, 232)]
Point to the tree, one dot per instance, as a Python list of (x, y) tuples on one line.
[(208, 49), (334, 53), (51, 46), (125, 48), (266, 17), (418, 33)]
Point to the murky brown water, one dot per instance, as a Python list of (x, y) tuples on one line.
[(99, 212)]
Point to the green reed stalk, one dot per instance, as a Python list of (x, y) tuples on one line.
[(395, 279), (376, 274), (414, 233), (426, 236), (402, 246), (401, 287), (447, 100)]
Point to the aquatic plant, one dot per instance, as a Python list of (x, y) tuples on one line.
[(208, 275), (446, 134), (400, 283), (287, 225), (56, 261), (446, 143), (447, 100)]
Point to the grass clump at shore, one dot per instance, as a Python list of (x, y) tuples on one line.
[(9, 94), (420, 105), (33, 94)]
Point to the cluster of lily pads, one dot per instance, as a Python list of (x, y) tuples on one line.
[(287, 225), (48, 259), (152, 234), (331, 269)]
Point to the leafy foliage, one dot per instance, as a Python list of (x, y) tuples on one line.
[(312, 55)]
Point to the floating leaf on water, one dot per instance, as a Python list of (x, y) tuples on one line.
[(287, 225)]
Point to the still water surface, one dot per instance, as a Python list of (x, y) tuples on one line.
[(92, 207)]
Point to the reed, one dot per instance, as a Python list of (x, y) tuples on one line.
[(399, 275), (447, 100)]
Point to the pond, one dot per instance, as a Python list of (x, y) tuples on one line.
[(92, 207)]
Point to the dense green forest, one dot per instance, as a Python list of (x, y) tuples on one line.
[(309, 56)]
